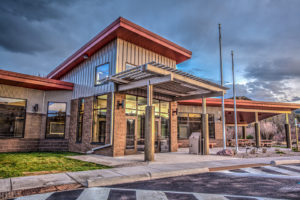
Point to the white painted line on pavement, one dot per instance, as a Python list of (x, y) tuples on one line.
[(150, 195), (36, 197), (226, 171), (293, 167), (254, 171), (284, 171), (209, 196), (94, 194)]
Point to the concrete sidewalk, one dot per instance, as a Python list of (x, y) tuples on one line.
[(63, 181), (147, 171)]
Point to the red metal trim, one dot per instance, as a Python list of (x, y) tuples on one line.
[(243, 104), (35, 82), (129, 31)]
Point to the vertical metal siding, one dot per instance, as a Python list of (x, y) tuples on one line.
[(136, 55), (117, 53), (83, 76)]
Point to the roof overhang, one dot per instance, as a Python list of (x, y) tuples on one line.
[(34, 82), (128, 31), (246, 109), (167, 81)]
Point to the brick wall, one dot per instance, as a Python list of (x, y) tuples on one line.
[(33, 125), (19, 145), (53, 145), (34, 135), (119, 140), (86, 143), (173, 127)]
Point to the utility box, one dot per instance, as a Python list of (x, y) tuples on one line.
[(164, 146), (195, 144)]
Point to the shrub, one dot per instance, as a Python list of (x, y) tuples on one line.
[(249, 137)]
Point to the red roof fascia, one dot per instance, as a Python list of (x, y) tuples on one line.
[(35, 82), (129, 31), (229, 103)]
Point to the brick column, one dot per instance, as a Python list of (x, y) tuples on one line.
[(119, 138), (173, 127)]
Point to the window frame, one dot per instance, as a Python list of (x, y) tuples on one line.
[(101, 81), (23, 131), (78, 120), (93, 122), (56, 138), (211, 125)]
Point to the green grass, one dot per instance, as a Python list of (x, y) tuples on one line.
[(22, 164)]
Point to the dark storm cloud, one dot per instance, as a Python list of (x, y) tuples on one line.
[(265, 34), (21, 24), (275, 70)]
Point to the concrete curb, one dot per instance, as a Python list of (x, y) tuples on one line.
[(96, 182), (284, 162)]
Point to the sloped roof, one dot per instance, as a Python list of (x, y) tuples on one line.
[(127, 30), (34, 82)]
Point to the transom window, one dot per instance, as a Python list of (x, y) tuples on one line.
[(56, 119), (12, 117), (102, 71)]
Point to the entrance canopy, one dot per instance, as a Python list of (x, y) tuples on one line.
[(177, 84)]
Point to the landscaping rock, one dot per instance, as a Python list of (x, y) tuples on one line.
[(253, 151), (226, 152)]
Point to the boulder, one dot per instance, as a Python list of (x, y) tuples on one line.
[(225, 152)]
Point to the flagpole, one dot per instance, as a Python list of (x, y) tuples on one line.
[(234, 98), (222, 83)]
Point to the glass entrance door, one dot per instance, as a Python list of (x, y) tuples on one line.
[(130, 135), (157, 135)]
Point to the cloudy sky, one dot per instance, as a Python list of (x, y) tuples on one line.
[(36, 36)]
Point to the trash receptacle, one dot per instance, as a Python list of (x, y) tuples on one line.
[(194, 143)]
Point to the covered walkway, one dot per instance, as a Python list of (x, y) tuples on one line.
[(251, 112)]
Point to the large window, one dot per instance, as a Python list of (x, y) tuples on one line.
[(187, 124), (136, 106), (192, 122), (164, 119), (12, 117), (56, 119), (211, 125), (99, 124), (80, 120), (102, 71)]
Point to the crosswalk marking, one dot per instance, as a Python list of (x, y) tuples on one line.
[(280, 170), (94, 194), (254, 171), (100, 193), (293, 167), (150, 195), (209, 197)]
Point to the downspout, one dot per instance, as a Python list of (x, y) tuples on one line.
[(111, 127)]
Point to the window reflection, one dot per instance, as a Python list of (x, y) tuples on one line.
[(56, 117), (12, 117)]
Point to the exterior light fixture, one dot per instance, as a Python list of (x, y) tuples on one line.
[(85, 56), (120, 104)]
